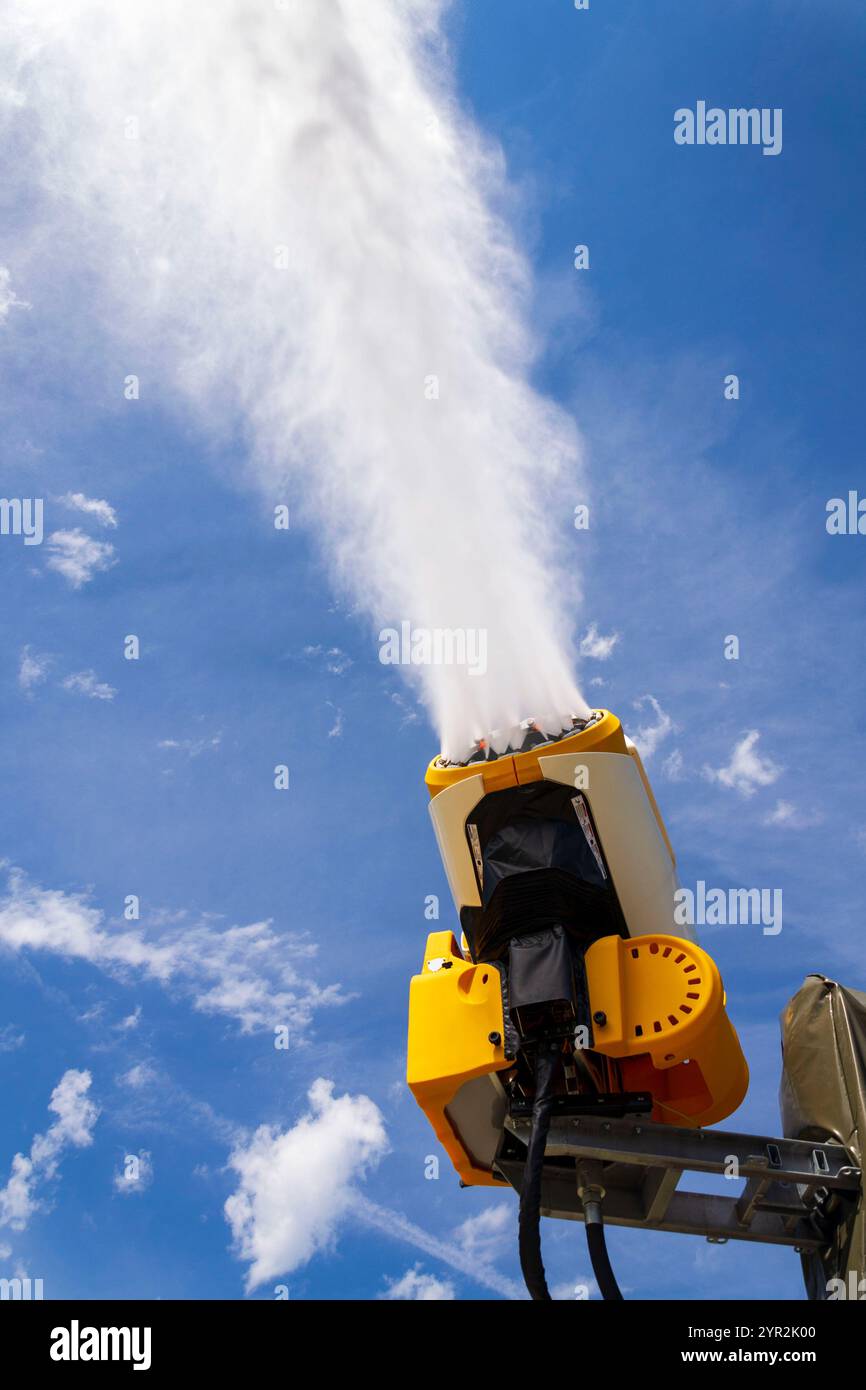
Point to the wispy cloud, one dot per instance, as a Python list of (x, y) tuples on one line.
[(134, 1175), (408, 715), (149, 1100), (417, 1287), (96, 507), (332, 659), (596, 647), (76, 1116), (77, 556), (87, 683), (579, 1288), (486, 1236), (10, 1038), (672, 767), (8, 297), (139, 1076), (790, 817), (192, 747), (130, 1022), (399, 1227), (250, 974), (747, 769), (650, 736), (33, 668)]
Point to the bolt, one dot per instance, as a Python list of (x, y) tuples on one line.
[(495, 1038), (600, 1017)]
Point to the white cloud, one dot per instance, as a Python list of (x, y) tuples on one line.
[(595, 646), (78, 557), (134, 1175), (484, 1237), (296, 1187), (76, 1116), (577, 1289), (32, 669), (96, 507), (92, 1015), (398, 1227), (86, 683), (790, 817), (649, 736), (335, 661), (672, 767), (139, 1076), (336, 729), (747, 769), (417, 1287), (130, 1021), (246, 973), (10, 1038), (193, 747), (408, 715), (8, 297)]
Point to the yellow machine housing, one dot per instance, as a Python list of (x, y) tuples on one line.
[(666, 1023), (656, 998)]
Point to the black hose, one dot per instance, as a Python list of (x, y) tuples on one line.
[(529, 1224), (599, 1258)]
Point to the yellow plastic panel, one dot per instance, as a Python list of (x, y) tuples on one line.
[(453, 1009), (663, 999)]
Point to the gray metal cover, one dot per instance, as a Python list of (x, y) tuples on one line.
[(823, 1096)]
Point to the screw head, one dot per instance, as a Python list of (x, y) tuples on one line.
[(495, 1038), (600, 1017)]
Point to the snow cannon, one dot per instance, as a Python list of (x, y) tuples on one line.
[(570, 992)]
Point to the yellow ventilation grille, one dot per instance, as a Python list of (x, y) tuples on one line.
[(669, 988)]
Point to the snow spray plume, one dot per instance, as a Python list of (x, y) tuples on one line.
[(284, 201)]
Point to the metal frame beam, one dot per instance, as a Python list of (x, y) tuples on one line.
[(645, 1161)]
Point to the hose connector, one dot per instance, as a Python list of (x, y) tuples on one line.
[(590, 1189)]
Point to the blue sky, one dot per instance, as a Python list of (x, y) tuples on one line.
[(155, 777)]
